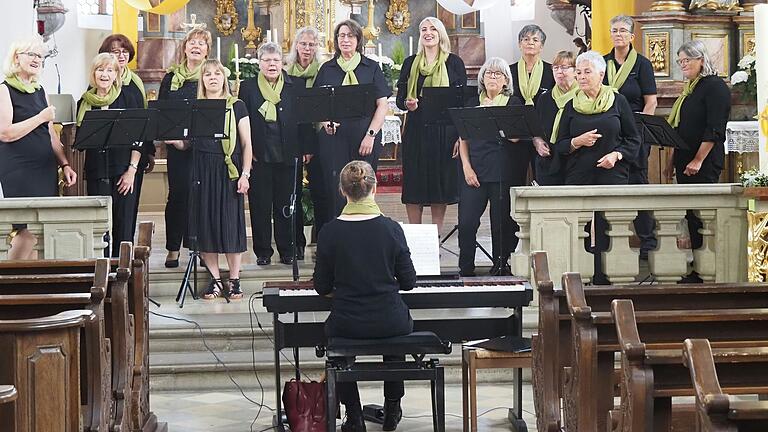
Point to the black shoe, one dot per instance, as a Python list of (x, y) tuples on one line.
[(235, 292), (264, 260), (355, 421), (691, 278), (300, 255), (287, 260), (467, 273), (600, 279), (172, 263), (392, 414), (213, 290)]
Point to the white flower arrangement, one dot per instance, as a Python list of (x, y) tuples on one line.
[(754, 178), (745, 78)]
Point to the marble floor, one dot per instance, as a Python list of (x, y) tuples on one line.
[(231, 412)]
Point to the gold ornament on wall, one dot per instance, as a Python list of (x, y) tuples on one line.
[(226, 18), (398, 16)]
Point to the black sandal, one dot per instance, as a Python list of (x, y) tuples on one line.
[(234, 289), (213, 290)]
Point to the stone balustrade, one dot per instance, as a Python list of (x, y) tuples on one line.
[(66, 227), (553, 218)]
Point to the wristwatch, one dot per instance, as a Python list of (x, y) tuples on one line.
[(246, 174), (134, 166), (371, 132)]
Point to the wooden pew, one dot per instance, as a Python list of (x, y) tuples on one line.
[(555, 351), (651, 377), (36, 358), (716, 412)]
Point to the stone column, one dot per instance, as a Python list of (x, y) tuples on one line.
[(705, 258), (520, 262), (668, 262), (584, 262), (620, 261), (731, 228)]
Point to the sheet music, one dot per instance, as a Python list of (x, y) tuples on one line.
[(424, 243)]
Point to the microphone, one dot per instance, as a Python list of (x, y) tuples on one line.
[(58, 76)]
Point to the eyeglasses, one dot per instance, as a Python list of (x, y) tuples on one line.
[(561, 68), (685, 61), (309, 44), (118, 53), (347, 36), (621, 31), (531, 40), (34, 55), (493, 74)]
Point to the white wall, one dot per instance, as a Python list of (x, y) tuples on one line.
[(501, 32), (18, 22)]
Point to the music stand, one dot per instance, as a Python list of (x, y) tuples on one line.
[(435, 102), (658, 132), (190, 119)]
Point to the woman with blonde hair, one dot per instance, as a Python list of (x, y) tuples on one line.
[(111, 173), (223, 167), (430, 170), (181, 83), (30, 150)]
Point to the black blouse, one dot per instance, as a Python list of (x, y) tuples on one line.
[(546, 108), (491, 159), (214, 145), (134, 99), (186, 91), (640, 82), (703, 117), (457, 76), (547, 81)]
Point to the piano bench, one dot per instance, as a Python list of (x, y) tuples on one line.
[(340, 366)]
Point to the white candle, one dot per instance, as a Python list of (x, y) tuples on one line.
[(761, 67), (269, 35), (274, 35), (237, 61), (218, 48), (380, 54), (410, 45)]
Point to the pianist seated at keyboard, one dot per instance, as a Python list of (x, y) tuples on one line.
[(363, 261)]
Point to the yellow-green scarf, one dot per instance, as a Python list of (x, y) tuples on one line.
[(436, 73), (529, 85), (92, 100), (349, 66), (310, 73), (616, 80), (271, 96), (21, 86), (561, 99), (500, 100), (181, 74), (674, 116), (130, 76), (604, 101), (366, 206), (228, 144)]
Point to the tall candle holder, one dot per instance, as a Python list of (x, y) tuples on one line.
[(251, 33)]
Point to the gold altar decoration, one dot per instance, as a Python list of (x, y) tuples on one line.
[(657, 47), (226, 18), (398, 16), (757, 246), (716, 5), (667, 6), (320, 14), (370, 31), (251, 34)]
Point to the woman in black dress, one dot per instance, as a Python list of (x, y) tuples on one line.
[(490, 168), (181, 83), (351, 139), (223, 167), (632, 75), (597, 131), (429, 166), (111, 173), (364, 260), (30, 150), (699, 115), (550, 165)]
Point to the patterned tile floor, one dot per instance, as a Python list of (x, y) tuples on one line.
[(230, 412)]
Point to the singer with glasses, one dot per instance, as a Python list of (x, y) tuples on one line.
[(30, 150)]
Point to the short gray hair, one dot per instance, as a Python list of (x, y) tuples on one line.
[(494, 64), (594, 58), (696, 49), (531, 29), (269, 48), (293, 55), (623, 19)]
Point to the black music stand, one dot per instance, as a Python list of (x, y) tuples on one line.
[(496, 123), (435, 102), (658, 132), (191, 119)]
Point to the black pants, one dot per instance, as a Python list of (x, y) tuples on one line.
[(644, 223), (123, 211), (269, 198), (472, 204), (350, 397), (319, 193), (177, 207)]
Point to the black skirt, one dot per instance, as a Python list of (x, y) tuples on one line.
[(220, 210), (430, 174)]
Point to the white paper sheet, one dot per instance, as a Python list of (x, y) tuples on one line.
[(424, 243)]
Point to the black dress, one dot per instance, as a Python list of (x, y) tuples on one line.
[(220, 212), (179, 165), (547, 83), (134, 99), (550, 171), (430, 172), (337, 150), (28, 166)]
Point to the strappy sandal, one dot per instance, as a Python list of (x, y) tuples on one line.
[(234, 289), (213, 290)]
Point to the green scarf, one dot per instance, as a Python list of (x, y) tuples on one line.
[(181, 74), (310, 73), (604, 100), (674, 116), (349, 66), (91, 100), (130, 76), (500, 100), (366, 206), (271, 97), (436, 73), (21, 86), (616, 80), (561, 99), (228, 144), (529, 85)]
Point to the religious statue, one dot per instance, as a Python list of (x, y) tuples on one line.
[(193, 24), (398, 16), (715, 5), (226, 18)]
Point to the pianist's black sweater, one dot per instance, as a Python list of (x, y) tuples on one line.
[(364, 264)]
